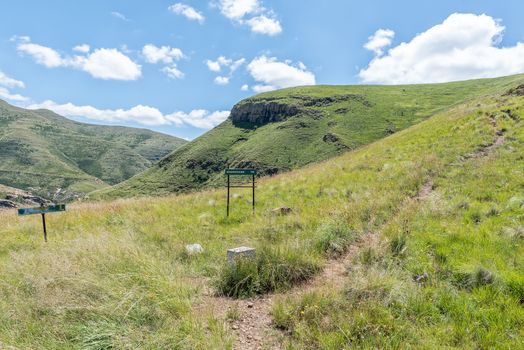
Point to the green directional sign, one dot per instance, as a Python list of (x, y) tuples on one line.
[(42, 210), (241, 172)]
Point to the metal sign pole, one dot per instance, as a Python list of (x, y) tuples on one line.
[(228, 184), (45, 230)]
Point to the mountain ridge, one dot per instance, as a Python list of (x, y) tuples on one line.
[(44, 152)]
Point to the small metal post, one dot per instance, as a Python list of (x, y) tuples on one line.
[(253, 193), (45, 231), (228, 195)]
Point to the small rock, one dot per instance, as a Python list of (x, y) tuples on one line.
[(421, 278), (194, 248), (235, 327), (282, 211), (250, 305)]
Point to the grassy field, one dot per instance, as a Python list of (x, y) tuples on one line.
[(44, 152), (445, 198), (330, 121)]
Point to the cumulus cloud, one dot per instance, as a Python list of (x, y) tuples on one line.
[(173, 72), (464, 46), (108, 64), (84, 48), (237, 9), (165, 54), (101, 63), (144, 115), (10, 82), (264, 25), (187, 11), (380, 40), (41, 54), (272, 74), (6, 95), (244, 87), (223, 62), (252, 14), (221, 80)]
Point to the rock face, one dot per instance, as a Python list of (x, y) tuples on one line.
[(262, 112), (517, 91)]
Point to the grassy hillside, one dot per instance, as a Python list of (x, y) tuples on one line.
[(282, 130), (44, 152), (429, 222)]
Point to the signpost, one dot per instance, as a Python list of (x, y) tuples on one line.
[(240, 172), (42, 210)]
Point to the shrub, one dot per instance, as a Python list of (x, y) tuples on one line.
[(398, 245), (477, 278), (270, 270), (335, 236)]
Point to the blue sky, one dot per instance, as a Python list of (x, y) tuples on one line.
[(154, 63)]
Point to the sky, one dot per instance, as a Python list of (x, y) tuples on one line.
[(178, 67)]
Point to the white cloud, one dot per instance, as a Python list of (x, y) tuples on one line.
[(261, 21), (187, 11), (199, 118), (272, 74), (173, 72), (119, 16), (380, 40), (84, 48), (224, 62), (165, 54), (109, 64), (10, 82), (265, 25), (145, 115), (101, 63), (221, 80), (237, 9), (213, 66), (5, 94), (464, 46), (41, 54), (244, 87)]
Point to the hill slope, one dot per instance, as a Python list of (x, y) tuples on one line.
[(282, 130), (44, 152), (429, 222)]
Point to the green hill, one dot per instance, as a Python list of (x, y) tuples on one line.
[(414, 241), (58, 158), (283, 130)]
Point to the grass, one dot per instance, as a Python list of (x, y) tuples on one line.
[(321, 130), (116, 274), (56, 157)]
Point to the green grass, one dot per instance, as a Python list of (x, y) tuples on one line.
[(43, 152), (319, 131), (116, 274)]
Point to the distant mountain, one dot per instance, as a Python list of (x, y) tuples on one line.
[(58, 158), (278, 131)]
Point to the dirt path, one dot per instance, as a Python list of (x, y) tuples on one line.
[(250, 319)]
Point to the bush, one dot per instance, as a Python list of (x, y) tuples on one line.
[(477, 278), (398, 245), (269, 271), (335, 237)]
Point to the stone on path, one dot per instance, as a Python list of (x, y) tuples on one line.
[(240, 252), (282, 211), (194, 248)]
